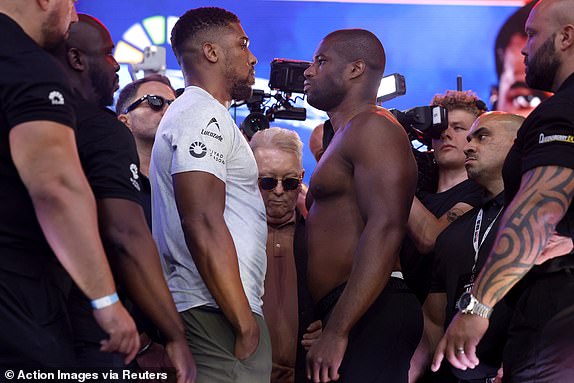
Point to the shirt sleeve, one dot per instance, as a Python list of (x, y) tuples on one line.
[(44, 96), (109, 158), (202, 141), (552, 141)]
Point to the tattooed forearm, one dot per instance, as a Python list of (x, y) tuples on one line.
[(526, 226), (453, 214)]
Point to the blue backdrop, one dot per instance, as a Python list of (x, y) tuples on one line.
[(429, 44)]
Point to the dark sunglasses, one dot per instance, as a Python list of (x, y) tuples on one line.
[(270, 183), (155, 102)]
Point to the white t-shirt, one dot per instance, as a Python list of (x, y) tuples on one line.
[(197, 133)]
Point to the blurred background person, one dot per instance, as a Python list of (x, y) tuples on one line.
[(512, 94), (286, 303)]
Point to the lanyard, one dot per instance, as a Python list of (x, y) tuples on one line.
[(476, 241)]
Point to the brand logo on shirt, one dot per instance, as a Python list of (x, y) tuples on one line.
[(197, 149), (135, 176), (218, 137), (213, 121), (542, 139), (56, 98)]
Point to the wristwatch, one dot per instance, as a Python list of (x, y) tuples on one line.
[(468, 304)]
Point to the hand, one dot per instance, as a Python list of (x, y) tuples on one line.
[(182, 360), (120, 326), (325, 356), (312, 334), (460, 341), (246, 342), (556, 246)]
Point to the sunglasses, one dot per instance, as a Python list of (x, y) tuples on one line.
[(270, 183), (155, 103)]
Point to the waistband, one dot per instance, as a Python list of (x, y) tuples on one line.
[(325, 304)]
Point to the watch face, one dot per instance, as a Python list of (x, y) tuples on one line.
[(464, 301)]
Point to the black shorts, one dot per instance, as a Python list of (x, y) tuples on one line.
[(383, 341), (541, 336), (34, 329)]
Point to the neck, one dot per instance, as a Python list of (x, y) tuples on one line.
[(493, 187), (349, 108), (447, 178), (144, 154), (28, 22), (278, 221), (213, 85), (563, 73)]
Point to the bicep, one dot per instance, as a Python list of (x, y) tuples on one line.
[(384, 176), (545, 193), (198, 194), (42, 149)]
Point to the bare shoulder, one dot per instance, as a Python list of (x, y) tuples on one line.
[(377, 126)]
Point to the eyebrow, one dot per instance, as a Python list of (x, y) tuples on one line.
[(479, 131)]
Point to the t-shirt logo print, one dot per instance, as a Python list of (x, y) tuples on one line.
[(56, 98), (213, 121), (197, 149)]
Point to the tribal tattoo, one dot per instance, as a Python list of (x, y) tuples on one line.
[(543, 199)]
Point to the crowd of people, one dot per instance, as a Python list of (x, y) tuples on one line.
[(161, 238)]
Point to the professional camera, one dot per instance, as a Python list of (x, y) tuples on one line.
[(423, 123), (286, 77)]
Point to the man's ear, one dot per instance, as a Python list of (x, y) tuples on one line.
[(125, 119), (44, 4), (566, 37), (211, 52), (493, 97), (357, 68), (75, 59)]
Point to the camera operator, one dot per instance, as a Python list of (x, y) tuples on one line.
[(455, 194)]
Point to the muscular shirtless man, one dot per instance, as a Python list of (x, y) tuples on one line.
[(362, 189)]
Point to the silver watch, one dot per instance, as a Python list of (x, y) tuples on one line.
[(468, 304)]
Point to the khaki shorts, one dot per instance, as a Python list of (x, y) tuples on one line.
[(211, 340)]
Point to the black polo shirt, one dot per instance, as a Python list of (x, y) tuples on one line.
[(108, 154), (417, 267), (546, 138), (32, 88), (454, 260)]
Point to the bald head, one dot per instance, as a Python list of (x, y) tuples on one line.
[(489, 141), (507, 123), (359, 44), (85, 32), (556, 12)]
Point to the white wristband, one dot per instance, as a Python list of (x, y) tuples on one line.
[(106, 301)]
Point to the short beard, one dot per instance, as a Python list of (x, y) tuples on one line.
[(98, 82), (53, 38), (326, 101), (543, 66), (241, 90)]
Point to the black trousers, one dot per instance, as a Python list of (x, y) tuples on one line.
[(540, 346), (34, 330), (383, 341)]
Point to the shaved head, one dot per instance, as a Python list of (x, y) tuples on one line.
[(556, 12), (508, 122), (359, 44), (87, 30)]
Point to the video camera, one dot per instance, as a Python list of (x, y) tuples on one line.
[(423, 123), (286, 77)]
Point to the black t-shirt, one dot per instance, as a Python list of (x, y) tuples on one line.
[(546, 138), (417, 267), (108, 154), (32, 88), (452, 269)]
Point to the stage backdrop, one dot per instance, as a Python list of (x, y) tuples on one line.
[(429, 42)]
